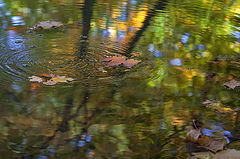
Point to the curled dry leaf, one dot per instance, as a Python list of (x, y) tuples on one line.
[(232, 84), (35, 79)]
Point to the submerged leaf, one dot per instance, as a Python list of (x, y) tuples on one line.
[(232, 84), (227, 154), (201, 155)]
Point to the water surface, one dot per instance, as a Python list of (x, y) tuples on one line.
[(188, 49)]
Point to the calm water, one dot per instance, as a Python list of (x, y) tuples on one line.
[(188, 49)]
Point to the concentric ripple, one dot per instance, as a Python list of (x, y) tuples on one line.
[(19, 64)]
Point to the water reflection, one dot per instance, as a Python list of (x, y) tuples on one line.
[(116, 113)]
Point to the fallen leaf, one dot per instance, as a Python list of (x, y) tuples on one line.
[(116, 60), (193, 135), (130, 63), (47, 25), (211, 144), (227, 154), (35, 79), (58, 79), (232, 84)]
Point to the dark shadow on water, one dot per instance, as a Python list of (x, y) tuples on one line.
[(87, 16)]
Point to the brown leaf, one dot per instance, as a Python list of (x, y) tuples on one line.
[(227, 154), (35, 79), (211, 144), (58, 79), (116, 60), (204, 140), (48, 25), (130, 63), (193, 135), (232, 84)]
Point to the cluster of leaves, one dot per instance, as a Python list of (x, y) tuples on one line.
[(195, 135), (212, 140), (118, 60), (49, 79)]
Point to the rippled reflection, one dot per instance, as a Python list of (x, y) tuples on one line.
[(187, 51)]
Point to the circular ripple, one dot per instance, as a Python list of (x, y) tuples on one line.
[(18, 64)]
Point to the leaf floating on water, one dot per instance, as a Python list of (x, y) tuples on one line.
[(227, 154), (58, 79), (52, 81), (118, 60), (35, 79), (232, 84), (130, 63), (47, 25)]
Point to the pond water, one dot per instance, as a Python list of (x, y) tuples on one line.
[(187, 49)]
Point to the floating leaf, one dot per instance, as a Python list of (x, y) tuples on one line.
[(58, 79), (118, 60), (47, 25), (35, 79), (130, 63), (54, 79), (232, 84)]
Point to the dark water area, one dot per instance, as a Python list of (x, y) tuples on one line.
[(187, 49)]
